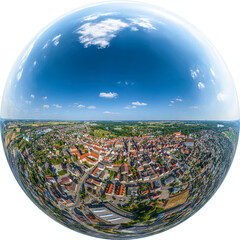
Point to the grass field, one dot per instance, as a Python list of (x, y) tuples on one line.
[(177, 200), (230, 135)]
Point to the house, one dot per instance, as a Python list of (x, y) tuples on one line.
[(109, 189), (120, 190), (96, 172), (74, 151), (102, 175), (73, 170), (155, 196), (65, 181), (72, 187), (101, 166), (125, 168)]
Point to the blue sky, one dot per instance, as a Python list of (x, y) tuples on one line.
[(112, 63)]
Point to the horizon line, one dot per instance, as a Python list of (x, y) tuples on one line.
[(107, 120)]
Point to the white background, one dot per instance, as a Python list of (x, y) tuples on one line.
[(21, 20)]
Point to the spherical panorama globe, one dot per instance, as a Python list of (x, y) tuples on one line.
[(119, 120)]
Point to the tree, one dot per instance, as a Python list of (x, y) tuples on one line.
[(75, 158)]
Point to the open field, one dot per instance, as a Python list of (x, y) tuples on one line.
[(177, 200)]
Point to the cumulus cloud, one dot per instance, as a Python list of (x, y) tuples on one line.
[(80, 106), (221, 97), (55, 40), (32, 96), (130, 107), (179, 99), (96, 16), (45, 98), (194, 73), (101, 33), (46, 106), (201, 85), (34, 63), (108, 95), (57, 106), (137, 103), (171, 101), (141, 22), (107, 112), (134, 29), (170, 105), (91, 107)]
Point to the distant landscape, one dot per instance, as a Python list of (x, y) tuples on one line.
[(119, 177)]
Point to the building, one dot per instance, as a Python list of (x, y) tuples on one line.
[(133, 191), (120, 190), (65, 181), (109, 215), (189, 142), (109, 189), (168, 180)]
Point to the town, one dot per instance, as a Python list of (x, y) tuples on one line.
[(119, 177)]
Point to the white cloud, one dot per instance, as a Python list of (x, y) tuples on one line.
[(96, 16), (194, 74), (130, 107), (139, 104), (171, 101), (212, 72), (107, 112), (101, 33), (91, 107), (46, 44), (194, 107), (80, 106), (32, 96), (57, 106), (19, 74), (134, 29), (55, 40), (108, 95), (34, 63), (221, 97), (170, 105), (46, 106), (45, 98), (179, 99), (28, 102), (27, 53), (141, 22), (201, 85)]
